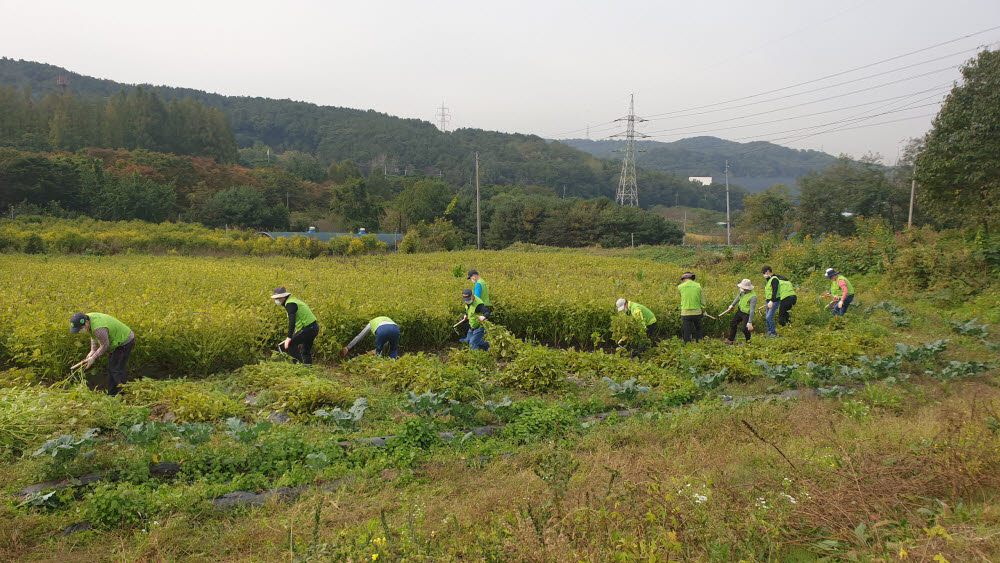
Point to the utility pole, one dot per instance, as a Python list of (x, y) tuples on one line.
[(684, 229), (443, 117), (727, 204), (286, 200), (628, 190), (478, 225), (913, 194)]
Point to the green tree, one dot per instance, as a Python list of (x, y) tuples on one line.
[(352, 201), (243, 206), (424, 200), (769, 211), (958, 172), (135, 197), (847, 188)]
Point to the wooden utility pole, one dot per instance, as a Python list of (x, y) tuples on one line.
[(478, 224), (684, 228), (913, 193)]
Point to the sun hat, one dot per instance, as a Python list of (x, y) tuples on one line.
[(830, 272), (76, 322), (279, 292), (620, 304), (687, 275), (745, 285)]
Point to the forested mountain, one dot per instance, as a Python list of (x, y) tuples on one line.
[(754, 166), (370, 139)]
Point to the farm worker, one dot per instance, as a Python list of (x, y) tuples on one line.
[(302, 326), (475, 312), (108, 336), (479, 287), (779, 295), (638, 311), (692, 305), (386, 334), (745, 303), (842, 286)]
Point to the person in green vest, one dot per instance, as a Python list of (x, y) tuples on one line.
[(839, 285), (386, 333), (692, 307), (779, 294), (745, 303), (108, 336), (479, 287), (637, 311), (302, 326), (475, 312)]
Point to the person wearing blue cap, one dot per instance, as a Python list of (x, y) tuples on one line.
[(108, 336), (479, 287)]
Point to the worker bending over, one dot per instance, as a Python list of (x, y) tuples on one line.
[(839, 285), (302, 326), (780, 296), (386, 333), (108, 336), (475, 312)]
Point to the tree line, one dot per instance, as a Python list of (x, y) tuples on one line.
[(131, 119)]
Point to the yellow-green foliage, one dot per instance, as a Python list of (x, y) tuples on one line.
[(295, 388), (90, 236), (188, 400), (414, 372)]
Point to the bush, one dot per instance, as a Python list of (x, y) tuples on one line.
[(34, 245), (535, 369), (188, 400), (119, 505)]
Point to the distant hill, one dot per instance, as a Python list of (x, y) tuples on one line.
[(395, 145), (754, 166)]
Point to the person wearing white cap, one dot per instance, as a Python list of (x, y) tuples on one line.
[(638, 311), (745, 303), (302, 326), (839, 284)]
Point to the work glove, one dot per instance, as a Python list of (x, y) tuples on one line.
[(286, 343), (481, 318), (750, 327), (840, 304), (343, 353), (90, 361), (770, 304)]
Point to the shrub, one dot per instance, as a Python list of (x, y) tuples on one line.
[(188, 400), (119, 505), (535, 420), (535, 369)]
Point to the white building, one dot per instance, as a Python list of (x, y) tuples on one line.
[(703, 180)]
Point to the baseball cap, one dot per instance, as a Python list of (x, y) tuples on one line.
[(471, 273), (76, 322)]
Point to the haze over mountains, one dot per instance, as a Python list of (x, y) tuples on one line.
[(398, 145), (755, 166)]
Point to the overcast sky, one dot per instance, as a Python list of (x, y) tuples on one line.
[(548, 68)]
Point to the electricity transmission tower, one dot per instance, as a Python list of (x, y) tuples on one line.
[(628, 190), (443, 117)]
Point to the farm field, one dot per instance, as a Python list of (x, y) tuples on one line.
[(873, 436)]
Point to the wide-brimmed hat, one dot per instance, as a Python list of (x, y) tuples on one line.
[(620, 304), (279, 292), (76, 322), (687, 275), (745, 285), (830, 272)]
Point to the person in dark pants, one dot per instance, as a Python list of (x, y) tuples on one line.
[(692, 307), (386, 334), (745, 303), (475, 312), (780, 296), (302, 326), (640, 313), (839, 285), (109, 336)]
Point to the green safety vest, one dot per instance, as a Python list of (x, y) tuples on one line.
[(640, 311), (484, 291), (303, 316), (835, 289), (375, 322), (470, 311), (785, 289), (744, 305), (690, 291), (117, 331)]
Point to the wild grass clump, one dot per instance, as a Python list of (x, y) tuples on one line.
[(187, 400)]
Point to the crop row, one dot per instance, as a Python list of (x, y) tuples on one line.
[(196, 315)]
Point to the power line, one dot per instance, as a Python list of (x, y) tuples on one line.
[(836, 74)]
